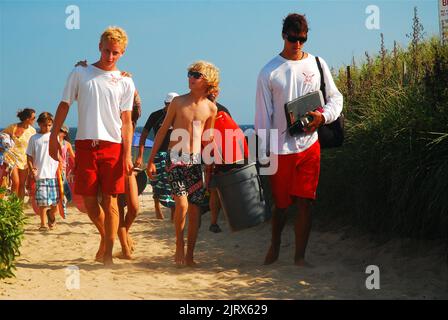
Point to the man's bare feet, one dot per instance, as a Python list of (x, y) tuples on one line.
[(108, 261), (190, 262), (272, 254), (99, 257), (131, 244), (179, 256), (301, 262)]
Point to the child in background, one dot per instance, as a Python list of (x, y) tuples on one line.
[(66, 150), (6, 143), (43, 169)]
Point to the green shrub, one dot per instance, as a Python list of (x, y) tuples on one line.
[(391, 175), (12, 220)]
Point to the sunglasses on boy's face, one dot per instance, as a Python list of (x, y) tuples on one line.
[(294, 39), (195, 74)]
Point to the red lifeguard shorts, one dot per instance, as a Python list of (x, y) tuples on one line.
[(99, 165), (297, 175)]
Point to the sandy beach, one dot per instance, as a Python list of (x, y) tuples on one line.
[(230, 264)]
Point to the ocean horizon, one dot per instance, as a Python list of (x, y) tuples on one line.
[(147, 152)]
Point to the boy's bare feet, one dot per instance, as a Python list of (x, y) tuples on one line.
[(159, 214), (272, 254), (43, 228), (51, 219), (179, 256), (123, 255)]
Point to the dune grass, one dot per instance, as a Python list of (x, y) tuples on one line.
[(391, 175)]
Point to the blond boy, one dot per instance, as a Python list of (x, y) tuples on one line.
[(103, 139), (189, 116)]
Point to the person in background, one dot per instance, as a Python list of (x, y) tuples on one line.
[(16, 157), (214, 201), (43, 170), (161, 188), (66, 152), (129, 199)]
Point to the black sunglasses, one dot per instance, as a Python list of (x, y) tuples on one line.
[(195, 74), (293, 39)]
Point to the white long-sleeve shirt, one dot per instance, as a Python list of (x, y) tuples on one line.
[(281, 81)]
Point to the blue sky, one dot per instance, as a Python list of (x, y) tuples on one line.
[(37, 51)]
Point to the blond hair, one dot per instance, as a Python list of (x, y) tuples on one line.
[(211, 75), (115, 34)]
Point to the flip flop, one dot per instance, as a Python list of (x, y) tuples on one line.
[(43, 228), (142, 181)]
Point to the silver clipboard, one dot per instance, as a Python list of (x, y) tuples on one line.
[(297, 108)]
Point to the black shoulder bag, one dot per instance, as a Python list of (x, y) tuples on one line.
[(330, 135)]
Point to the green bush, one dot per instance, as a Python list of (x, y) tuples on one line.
[(12, 220), (391, 175)]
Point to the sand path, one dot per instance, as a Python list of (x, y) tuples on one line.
[(231, 265)]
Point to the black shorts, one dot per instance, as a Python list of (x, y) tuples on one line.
[(186, 179)]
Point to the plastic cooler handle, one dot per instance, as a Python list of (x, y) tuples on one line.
[(260, 188)]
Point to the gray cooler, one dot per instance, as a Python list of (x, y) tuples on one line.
[(242, 197)]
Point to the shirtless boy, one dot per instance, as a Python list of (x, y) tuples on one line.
[(189, 116)]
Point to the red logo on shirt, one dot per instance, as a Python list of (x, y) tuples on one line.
[(114, 80), (308, 78)]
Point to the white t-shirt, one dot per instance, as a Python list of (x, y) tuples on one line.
[(281, 81), (102, 96), (38, 149)]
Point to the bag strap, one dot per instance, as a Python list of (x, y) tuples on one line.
[(322, 80)]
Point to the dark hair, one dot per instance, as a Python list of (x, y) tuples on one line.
[(136, 109), (66, 135), (25, 114), (44, 117), (296, 23)]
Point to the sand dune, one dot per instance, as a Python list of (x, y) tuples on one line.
[(230, 265)]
